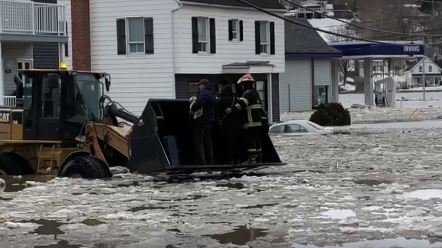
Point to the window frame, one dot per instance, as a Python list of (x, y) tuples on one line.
[(430, 68), (207, 41), (128, 42), (235, 25), (267, 43), (420, 68), (56, 111)]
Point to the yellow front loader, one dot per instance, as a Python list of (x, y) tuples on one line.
[(65, 125)]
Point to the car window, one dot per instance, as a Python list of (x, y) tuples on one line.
[(277, 129), (294, 128)]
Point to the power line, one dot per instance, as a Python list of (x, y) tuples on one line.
[(305, 25), (346, 22)]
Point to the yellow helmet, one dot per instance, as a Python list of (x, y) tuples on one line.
[(63, 66)]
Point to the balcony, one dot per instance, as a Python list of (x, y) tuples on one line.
[(30, 18)]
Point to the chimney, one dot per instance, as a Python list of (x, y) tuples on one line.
[(81, 35)]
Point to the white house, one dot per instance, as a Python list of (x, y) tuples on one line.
[(161, 48), (310, 76), (32, 34), (414, 73)]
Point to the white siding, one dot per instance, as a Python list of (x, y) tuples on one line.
[(322, 72), (11, 53), (298, 76), (226, 51), (135, 79)]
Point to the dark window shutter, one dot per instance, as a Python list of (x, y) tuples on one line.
[(241, 31), (66, 49), (257, 37), (212, 36), (194, 35), (148, 36), (230, 29), (272, 38), (121, 36)]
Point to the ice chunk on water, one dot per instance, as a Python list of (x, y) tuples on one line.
[(425, 194), (2, 184), (339, 214)]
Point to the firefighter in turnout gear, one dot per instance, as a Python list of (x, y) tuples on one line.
[(254, 115)]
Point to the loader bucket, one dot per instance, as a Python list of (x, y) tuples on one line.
[(163, 141)]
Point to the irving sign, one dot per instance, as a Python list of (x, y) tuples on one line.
[(412, 49)]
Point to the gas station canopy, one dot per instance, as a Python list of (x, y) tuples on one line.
[(381, 49)]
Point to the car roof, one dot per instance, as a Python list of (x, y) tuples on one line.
[(291, 122)]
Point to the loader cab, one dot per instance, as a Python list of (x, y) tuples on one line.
[(57, 103)]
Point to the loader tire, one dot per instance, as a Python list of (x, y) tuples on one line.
[(9, 167), (85, 167)]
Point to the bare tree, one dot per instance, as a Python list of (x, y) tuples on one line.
[(344, 65)]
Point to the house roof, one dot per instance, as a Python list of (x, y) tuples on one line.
[(267, 4), (303, 41), (411, 65)]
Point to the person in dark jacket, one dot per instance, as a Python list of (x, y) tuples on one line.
[(202, 110), (254, 115), (228, 111)]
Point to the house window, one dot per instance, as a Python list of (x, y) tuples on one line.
[(203, 34), (135, 35), (320, 95), (430, 68), (265, 37), (235, 30), (420, 68)]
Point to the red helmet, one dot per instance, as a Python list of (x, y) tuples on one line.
[(246, 78)]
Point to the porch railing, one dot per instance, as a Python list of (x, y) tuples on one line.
[(9, 101), (32, 18)]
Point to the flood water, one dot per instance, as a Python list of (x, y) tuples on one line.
[(379, 189)]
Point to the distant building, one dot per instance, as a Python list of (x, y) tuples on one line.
[(311, 9), (414, 73), (317, 9), (32, 35), (310, 76)]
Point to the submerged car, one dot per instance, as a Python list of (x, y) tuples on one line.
[(298, 127)]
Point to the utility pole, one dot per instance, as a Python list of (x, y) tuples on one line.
[(423, 76), (423, 69)]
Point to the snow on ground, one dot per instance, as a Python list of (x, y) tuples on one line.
[(347, 87), (420, 89), (329, 24)]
